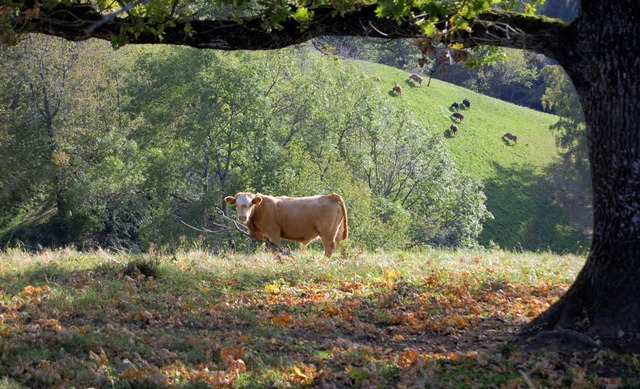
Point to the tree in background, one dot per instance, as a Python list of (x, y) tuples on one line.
[(42, 67), (399, 53), (560, 97), (513, 76), (63, 103), (566, 10), (143, 147)]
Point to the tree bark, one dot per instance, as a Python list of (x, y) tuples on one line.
[(603, 61)]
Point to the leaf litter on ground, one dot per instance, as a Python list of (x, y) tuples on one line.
[(399, 319)]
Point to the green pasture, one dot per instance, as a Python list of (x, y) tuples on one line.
[(528, 213)]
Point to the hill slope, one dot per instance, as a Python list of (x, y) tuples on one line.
[(530, 213)]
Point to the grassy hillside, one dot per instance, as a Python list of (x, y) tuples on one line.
[(527, 210)]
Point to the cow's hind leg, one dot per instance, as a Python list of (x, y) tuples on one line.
[(329, 244), (304, 244)]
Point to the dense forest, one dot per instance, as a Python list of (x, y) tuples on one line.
[(117, 149)]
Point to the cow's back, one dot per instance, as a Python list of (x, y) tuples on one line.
[(304, 218)]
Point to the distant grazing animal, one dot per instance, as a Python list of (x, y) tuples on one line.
[(457, 115), (416, 78), (511, 137), (466, 103), (301, 219), (455, 106), (454, 129), (397, 89)]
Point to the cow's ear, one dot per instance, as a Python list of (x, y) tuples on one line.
[(256, 200), (231, 201)]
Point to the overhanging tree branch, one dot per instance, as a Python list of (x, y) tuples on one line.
[(81, 22), (508, 29), (78, 22)]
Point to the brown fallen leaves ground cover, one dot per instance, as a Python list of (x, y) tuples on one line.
[(424, 319)]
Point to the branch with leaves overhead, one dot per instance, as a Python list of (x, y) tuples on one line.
[(144, 24)]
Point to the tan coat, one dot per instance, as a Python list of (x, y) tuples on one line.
[(300, 219)]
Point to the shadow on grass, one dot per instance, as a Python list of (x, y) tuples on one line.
[(529, 214), (90, 325), (106, 326)]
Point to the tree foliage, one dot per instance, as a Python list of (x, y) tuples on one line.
[(145, 147), (63, 105), (514, 76), (561, 98)]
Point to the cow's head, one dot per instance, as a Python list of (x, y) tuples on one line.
[(245, 204)]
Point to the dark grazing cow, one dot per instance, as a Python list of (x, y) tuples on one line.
[(466, 103), (416, 78), (457, 115), (397, 89), (510, 137), (455, 106), (454, 129), (301, 219)]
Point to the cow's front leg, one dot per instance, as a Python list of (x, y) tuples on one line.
[(329, 246), (275, 242)]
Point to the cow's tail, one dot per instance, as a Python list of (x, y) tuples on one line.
[(344, 228)]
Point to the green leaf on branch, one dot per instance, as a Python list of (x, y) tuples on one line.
[(303, 16)]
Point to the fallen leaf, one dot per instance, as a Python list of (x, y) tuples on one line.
[(298, 372), (283, 320)]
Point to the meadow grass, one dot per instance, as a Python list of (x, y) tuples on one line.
[(196, 319)]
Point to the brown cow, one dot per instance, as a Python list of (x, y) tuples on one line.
[(454, 129), (457, 115), (416, 78), (301, 219), (397, 89), (511, 137)]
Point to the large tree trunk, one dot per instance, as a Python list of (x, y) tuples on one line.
[(604, 64)]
